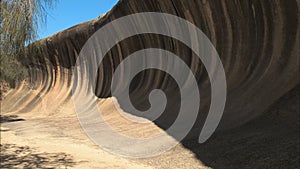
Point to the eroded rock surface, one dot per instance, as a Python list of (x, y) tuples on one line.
[(257, 41)]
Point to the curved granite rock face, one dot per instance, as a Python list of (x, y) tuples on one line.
[(258, 43)]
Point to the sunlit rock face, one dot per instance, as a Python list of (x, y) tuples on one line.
[(257, 41)]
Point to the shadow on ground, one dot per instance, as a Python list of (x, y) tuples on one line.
[(13, 156), (9, 118), (270, 141)]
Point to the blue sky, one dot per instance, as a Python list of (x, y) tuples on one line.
[(68, 13)]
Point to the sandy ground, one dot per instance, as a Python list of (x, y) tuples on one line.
[(51, 137), (57, 141)]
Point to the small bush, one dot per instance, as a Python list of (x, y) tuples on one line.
[(4, 87)]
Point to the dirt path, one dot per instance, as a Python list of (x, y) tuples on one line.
[(43, 136), (31, 140)]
